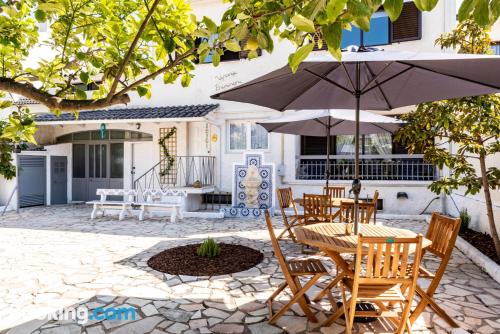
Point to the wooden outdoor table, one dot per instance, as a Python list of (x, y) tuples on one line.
[(332, 236), (334, 203), (332, 240)]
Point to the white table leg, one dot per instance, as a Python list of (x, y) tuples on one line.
[(173, 215), (122, 213), (94, 212)]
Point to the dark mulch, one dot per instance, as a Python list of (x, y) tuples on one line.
[(184, 261), (482, 241)]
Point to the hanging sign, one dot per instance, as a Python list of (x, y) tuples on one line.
[(102, 131)]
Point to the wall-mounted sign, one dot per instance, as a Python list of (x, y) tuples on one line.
[(102, 131)]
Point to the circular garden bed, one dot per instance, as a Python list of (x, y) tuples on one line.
[(183, 260)]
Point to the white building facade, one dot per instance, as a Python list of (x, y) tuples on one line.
[(115, 148)]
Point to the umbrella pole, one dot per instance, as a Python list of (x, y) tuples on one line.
[(327, 173), (356, 184)]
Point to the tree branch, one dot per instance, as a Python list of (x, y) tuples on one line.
[(153, 75), (53, 102), (131, 49)]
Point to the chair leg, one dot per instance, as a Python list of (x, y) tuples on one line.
[(347, 306), (327, 289), (427, 300), (298, 297)]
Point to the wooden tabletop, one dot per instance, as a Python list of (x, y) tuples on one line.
[(335, 201), (332, 236)]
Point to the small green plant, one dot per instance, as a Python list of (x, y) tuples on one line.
[(464, 219), (209, 248)]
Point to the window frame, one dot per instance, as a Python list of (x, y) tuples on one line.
[(248, 136), (497, 45)]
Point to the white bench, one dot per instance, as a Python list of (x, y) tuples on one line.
[(103, 204), (162, 200)]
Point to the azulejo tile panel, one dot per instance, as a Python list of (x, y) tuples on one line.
[(253, 187)]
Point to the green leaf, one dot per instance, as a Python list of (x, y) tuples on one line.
[(393, 8), (185, 80), (226, 25), (465, 9), (142, 91), (334, 8), (302, 23), (482, 12), (84, 77), (211, 26), (242, 16), (232, 45), (313, 8), (240, 32), (216, 59), (332, 33), (299, 56), (363, 22), (40, 15), (425, 5), (262, 40), (80, 94)]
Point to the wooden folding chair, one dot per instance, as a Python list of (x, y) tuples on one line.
[(365, 212), (379, 279), (285, 200), (334, 191), (316, 209), (443, 233), (293, 270)]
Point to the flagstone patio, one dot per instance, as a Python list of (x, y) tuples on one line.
[(55, 257)]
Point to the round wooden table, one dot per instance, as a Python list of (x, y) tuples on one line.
[(334, 203), (331, 238)]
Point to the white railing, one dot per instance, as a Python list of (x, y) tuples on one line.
[(393, 167)]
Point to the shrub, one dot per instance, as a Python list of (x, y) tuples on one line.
[(464, 219), (208, 248)]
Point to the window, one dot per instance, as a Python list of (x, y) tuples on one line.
[(496, 48), (382, 31), (344, 145), (244, 135)]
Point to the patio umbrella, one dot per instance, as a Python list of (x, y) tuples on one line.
[(373, 79), (326, 123)]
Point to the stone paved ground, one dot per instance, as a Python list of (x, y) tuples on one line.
[(54, 257)]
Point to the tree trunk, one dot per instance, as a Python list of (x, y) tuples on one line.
[(489, 206)]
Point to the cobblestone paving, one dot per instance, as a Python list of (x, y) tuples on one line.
[(54, 258)]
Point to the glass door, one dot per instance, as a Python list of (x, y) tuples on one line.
[(97, 168)]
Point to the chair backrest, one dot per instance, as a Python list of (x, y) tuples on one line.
[(276, 246), (375, 198), (334, 191), (365, 212), (386, 260), (127, 194), (443, 233), (166, 196), (285, 200), (316, 208)]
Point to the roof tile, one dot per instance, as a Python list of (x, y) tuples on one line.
[(199, 110)]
